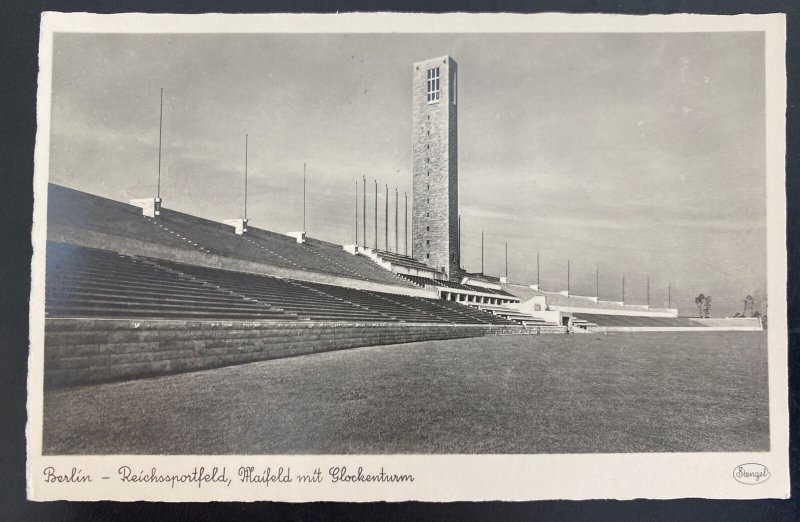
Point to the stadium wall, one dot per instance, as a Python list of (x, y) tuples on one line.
[(639, 329), (130, 246), (608, 311), (85, 351)]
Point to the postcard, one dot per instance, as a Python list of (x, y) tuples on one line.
[(394, 257)]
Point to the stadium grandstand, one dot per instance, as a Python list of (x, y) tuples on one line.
[(138, 289), (130, 295)]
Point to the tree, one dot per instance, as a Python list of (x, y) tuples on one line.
[(749, 302), (703, 303)]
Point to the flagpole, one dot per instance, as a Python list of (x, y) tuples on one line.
[(386, 220), (405, 218), (356, 222), (245, 177), (481, 251), (160, 125), (364, 213)]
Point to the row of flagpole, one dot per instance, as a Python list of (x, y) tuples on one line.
[(362, 239), (569, 289)]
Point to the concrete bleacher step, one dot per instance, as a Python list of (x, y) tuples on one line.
[(313, 309), (481, 315), (101, 304), (68, 291), (445, 313), (135, 279), (358, 263), (166, 298), (413, 310), (351, 298), (608, 320), (130, 281), (129, 290), (68, 294), (124, 291), (157, 313), (86, 211), (286, 295), (188, 287)]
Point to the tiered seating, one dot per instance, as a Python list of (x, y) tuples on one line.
[(493, 291), (516, 316), (218, 238), (83, 211), (477, 315), (578, 301), (378, 302), (728, 322), (85, 282), (354, 266), (430, 307), (411, 309), (281, 293), (637, 321), (75, 210), (422, 281), (401, 260)]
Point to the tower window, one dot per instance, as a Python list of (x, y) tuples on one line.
[(427, 256), (433, 85), (428, 229), (427, 241)]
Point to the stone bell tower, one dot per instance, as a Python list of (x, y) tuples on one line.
[(434, 139)]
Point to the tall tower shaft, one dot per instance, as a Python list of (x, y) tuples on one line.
[(434, 138)]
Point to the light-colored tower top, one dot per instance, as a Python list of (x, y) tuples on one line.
[(434, 139)]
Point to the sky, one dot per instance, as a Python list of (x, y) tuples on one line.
[(634, 154)]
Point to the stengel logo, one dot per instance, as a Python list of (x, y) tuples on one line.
[(751, 473)]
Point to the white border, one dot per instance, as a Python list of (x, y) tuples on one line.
[(437, 477)]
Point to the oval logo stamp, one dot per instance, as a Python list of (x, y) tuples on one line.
[(751, 473)]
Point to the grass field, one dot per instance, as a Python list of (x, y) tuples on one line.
[(656, 392)]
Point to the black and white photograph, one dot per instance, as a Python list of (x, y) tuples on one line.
[(414, 246)]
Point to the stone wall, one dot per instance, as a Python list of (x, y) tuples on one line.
[(84, 351)]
